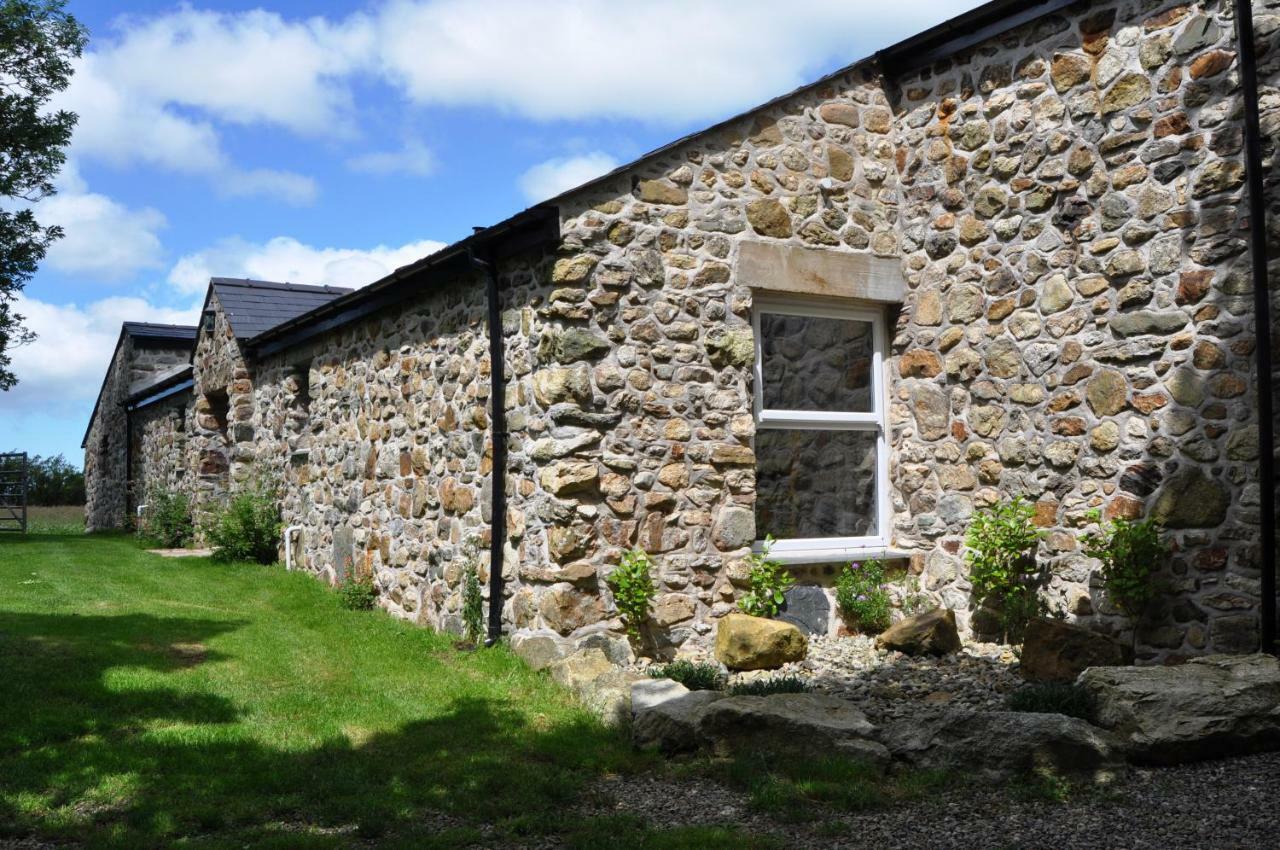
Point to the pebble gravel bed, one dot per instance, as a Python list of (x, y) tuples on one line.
[(1223, 805), (887, 685)]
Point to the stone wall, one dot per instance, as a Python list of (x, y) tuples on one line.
[(160, 451), (109, 498), (222, 430), (1064, 208)]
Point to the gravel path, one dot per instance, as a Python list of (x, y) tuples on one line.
[(1219, 805), (1234, 803)]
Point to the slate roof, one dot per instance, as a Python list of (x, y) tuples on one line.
[(151, 330), (254, 306)]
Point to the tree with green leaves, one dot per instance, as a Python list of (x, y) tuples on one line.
[(38, 42)]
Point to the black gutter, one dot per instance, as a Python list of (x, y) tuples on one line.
[(140, 401), (1261, 318), (532, 228), (498, 430), (962, 32)]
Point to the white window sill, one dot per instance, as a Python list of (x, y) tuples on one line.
[(838, 555)]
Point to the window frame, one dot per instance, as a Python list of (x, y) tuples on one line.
[(819, 549)]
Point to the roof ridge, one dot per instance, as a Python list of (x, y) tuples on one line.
[(252, 283)]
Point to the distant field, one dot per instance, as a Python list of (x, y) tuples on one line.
[(57, 519)]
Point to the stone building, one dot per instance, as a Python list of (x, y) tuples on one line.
[(1008, 256)]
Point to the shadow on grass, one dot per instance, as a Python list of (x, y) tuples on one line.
[(150, 767)]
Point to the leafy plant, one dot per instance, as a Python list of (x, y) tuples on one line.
[(696, 676), (1131, 552), (472, 599), (915, 601), (862, 597), (633, 589), (771, 685), (167, 519), (358, 593), (769, 582), (1053, 698), (247, 528), (1001, 550)]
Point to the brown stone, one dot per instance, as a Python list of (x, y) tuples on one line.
[(659, 192), (569, 476), (845, 114), (456, 497), (931, 633), (1129, 90), (1107, 392), (566, 609), (1193, 285), (744, 642), (919, 363), (1211, 63), (1058, 651), (1069, 70), (1123, 507), (769, 218)]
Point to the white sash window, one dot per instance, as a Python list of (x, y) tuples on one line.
[(822, 465)]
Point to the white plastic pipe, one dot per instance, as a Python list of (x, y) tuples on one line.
[(288, 550), (139, 510)]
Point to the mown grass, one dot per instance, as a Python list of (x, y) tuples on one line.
[(150, 702), (55, 519)]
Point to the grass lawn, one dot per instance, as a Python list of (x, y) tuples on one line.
[(150, 702)]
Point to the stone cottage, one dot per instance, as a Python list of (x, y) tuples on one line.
[(1008, 256)]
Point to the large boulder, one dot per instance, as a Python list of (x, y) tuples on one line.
[(1211, 706), (744, 642), (579, 669), (603, 689), (608, 696), (800, 725), (1058, 651), (665, 715), (998, 745), (931, 633)]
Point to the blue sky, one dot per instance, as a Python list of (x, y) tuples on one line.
[(328, 142)]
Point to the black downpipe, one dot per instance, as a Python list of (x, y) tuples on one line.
[(498, 424), (1262, 317)]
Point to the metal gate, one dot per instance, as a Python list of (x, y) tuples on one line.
[(13, 491)]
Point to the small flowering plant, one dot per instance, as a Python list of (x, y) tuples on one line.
[(862, 597)]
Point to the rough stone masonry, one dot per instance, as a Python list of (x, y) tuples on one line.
[(1050, 225)]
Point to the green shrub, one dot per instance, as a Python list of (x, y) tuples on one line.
[(167, 519), (772, 685), (358, 593), (769, 581), (1001, 550), (1131, 552), (862, 597), (694, 676), (472, 599), (633, 589), (1053, 698), (914, 601), (247, 528)]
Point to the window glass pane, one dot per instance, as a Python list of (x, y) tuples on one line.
[(812, 483), (814, 363)]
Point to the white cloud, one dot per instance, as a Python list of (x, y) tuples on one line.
[(155, 95), (286, 259), (63, 368), (413, 159), (659, 60), (550, 178), (101, 237)]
